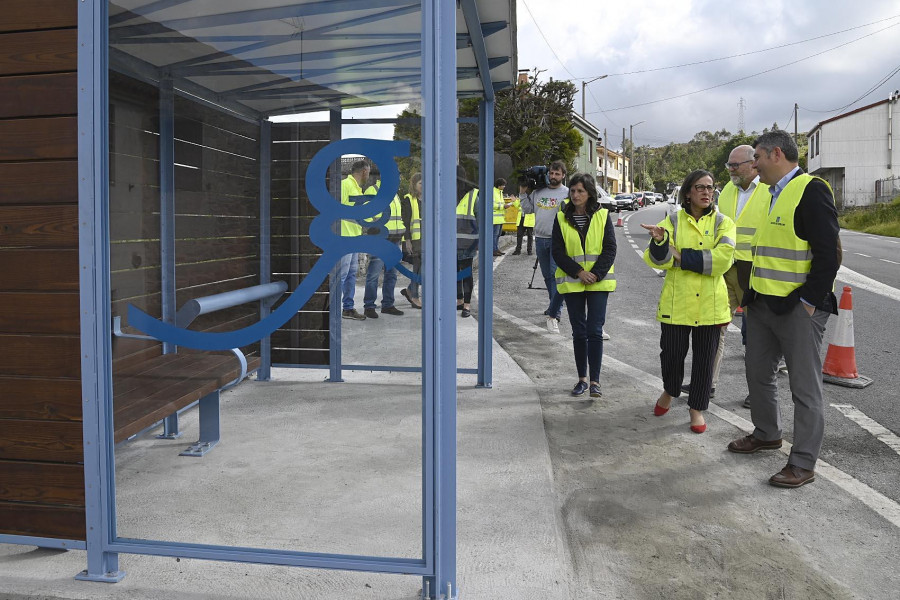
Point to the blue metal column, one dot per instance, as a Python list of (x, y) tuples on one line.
[(96, 314), (485, 242), (265, 241), (167, 203), (438, 297), (334, 282)]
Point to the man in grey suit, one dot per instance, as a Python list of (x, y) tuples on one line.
[(795, 261)]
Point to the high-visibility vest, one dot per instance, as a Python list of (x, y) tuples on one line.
[(585, 255), (753, 213), (687, 297), (781, 260), (527, 219), (349, 189), (466, 223), (394, 224), (415, 221), (499, 209)]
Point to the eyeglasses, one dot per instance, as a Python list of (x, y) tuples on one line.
[(737, 164), (700, 187)]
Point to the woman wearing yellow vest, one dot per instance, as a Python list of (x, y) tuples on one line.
[(694, 247), (583, 247), (411, 213)]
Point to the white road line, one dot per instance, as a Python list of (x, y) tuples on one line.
[(861, 254), (871, 425), (889, 261), (867, 283), (872, 498)]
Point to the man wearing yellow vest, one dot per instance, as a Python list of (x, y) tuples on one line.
[(500, 206), (395, 230), (795, 261), (351, 193), (745, 200)]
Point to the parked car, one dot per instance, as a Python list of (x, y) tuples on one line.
[(626, 202), (606, 201)]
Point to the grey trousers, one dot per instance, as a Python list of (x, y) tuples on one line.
[(798, 337)]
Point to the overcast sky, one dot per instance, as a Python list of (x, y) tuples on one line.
[(592, 38)]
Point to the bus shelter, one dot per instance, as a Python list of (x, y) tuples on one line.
[(206, 243)]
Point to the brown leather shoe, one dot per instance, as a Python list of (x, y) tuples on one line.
[(792, 476), (749, 444)]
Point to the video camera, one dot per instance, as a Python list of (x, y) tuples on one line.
[(538, 177)]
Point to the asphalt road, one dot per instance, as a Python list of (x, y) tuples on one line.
[(635, 341)]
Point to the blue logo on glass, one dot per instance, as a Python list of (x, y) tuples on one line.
[(322, 234)]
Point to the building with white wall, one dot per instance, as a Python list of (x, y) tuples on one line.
[(856, 153), (612, 169), (585, 159)]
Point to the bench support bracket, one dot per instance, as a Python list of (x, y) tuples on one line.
[(170, 428), (209, 426)]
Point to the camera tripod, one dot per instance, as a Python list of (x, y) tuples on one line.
[(533, 273)]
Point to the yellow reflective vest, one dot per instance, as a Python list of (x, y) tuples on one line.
[(781, 260), (687, 297), (415, 221), (467, 225), (746, 223), (585, 255), (350, 188), (526, 220), (499, 209)]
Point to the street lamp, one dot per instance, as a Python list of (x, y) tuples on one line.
[(584, 85), (631, 160)]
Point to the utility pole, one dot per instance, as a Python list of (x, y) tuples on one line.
[(584, 85), (631, 143), (605, 160), (741, 106), (795, 124)]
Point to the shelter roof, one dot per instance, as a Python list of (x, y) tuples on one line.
[(272, 57)]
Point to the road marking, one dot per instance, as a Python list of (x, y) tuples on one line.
[(861, 254), (878, 502), (889, 261), (871, 425), (867, 283)]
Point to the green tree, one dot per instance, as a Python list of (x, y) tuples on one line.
[(532, 123)]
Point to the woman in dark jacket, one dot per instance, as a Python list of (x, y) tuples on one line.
[(584, 249)]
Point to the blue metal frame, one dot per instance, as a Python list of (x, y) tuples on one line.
[(167, 203), (265, 240), (439, 321), (485, 243), (334, 282), (93, 253), (439, 93)]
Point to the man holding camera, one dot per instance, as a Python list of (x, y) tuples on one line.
[(547, 201)]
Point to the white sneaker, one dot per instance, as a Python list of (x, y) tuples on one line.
[(552, 325), (605, 335)]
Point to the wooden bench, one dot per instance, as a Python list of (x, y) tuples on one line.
[(155, 389)]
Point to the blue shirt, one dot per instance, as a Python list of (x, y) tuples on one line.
[(779, 187)]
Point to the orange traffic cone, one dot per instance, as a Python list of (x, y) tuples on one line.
[(840, 360), (620, 223)]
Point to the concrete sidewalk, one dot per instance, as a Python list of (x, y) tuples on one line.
[(323, 467)]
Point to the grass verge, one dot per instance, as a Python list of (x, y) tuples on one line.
[(882, 219)]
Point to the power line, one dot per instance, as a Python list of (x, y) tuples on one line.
[(546, 41), (751, 76), (881, 82), (703, 62)]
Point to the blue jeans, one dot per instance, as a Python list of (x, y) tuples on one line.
[(497, 229), (376, 266), (347, 277), (548, 270), (587, 330)]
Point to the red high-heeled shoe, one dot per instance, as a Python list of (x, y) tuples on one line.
[(698, 428), (659, 410)]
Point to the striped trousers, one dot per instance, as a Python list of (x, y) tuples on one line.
[(673, 343)]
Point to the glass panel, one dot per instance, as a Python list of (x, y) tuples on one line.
[(295, 463)]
